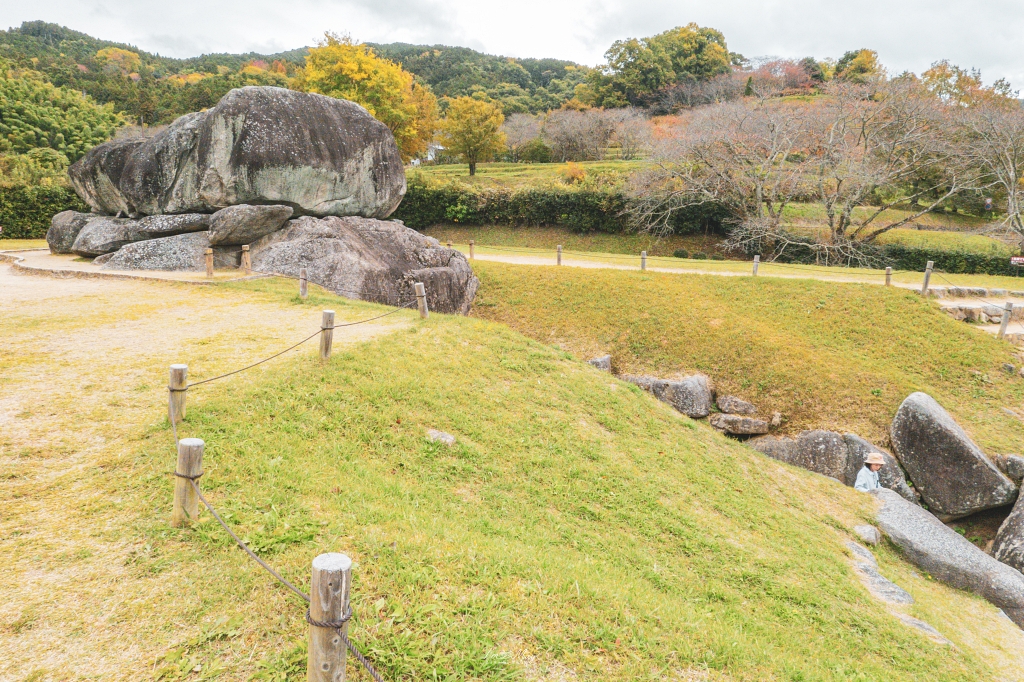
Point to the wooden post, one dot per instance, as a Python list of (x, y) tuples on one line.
[(329, 591), (927, 277), (559, 254), (326, 335), (246, 260), (209, 262), (643, 260), (471, 254), (888, 277), (449, 243), (177, 387), (190, 463), (1007, 311), (421, 298), (757, 261), (303, 283)]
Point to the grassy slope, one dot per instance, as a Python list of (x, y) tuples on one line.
[(578, 527), (579, 530), (826, 355)]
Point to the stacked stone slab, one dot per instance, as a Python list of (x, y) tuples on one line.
[(234, 176)]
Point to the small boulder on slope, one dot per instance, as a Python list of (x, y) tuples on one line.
[(953, 475), (1009, 543), (693, 396), (738, 425), (730, 404), (934, 547)]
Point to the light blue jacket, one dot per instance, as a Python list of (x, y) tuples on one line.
[(867, 480)]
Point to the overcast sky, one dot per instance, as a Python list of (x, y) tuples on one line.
[(908, 34)]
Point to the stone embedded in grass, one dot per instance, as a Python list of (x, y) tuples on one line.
[(693, 396), (948, 557), (441, 437), (603, 363), (878, 585), (244, 224), (738, 425), (730, 404), (953, 475), (868, 534), (1012, 466)]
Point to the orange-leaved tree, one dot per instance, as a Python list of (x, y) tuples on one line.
[(339, 67), (471, 129)]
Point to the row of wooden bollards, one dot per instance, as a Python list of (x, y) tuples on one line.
[(330, 582)]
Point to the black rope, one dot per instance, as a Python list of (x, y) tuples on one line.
[(345, 617), (186, 476)]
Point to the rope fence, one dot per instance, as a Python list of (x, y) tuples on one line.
[(329, 612)]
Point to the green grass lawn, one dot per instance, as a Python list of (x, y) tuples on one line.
[(523, 174), (14, 244), (824, 354), (579, 529)]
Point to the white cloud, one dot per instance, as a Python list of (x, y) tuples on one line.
[(908, 34)]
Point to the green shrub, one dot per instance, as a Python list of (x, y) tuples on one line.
[(716, 256), (699, 256), (681, 253), (25, 211)]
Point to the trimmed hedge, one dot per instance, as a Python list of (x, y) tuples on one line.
[(25, 212), (580, 210), (900, 257)]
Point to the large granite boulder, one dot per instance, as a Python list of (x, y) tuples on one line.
[(953, 475), (104, 235), (244, 224), (946, 556), (182, 252), (1009, 543), (693, 396), (96, 176), (839, 456), (372, 260), (64, 229), (259, 145), (156, 226)]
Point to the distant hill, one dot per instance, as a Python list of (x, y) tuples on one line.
[(154, 89)]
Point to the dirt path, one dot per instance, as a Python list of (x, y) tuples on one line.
[(83, 365)]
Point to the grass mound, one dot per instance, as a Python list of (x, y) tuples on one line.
[(824, 354), (578, 529)]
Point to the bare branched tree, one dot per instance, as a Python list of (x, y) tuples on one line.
[(739, 155), (520, 130), (994, 133), (578, 135), (631, 131), (693, 93), (881, 145), (875, 145)]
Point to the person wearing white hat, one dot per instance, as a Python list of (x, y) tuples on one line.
[(867, 477)]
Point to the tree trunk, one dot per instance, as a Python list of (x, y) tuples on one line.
[(472, 167)]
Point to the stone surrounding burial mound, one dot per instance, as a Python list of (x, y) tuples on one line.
[(238, 225), (64, 229), (693, 396), (953, 475), (1009, 543), (838, 456), (259, 145), (945, 555), (373, 260), (183, 252)]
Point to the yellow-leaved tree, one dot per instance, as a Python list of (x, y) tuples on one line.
[(340, 68), (471, 129)]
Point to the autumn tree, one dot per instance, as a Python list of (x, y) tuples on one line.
[(341, 68), (520, 130), (471, 129), (858, 66)]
